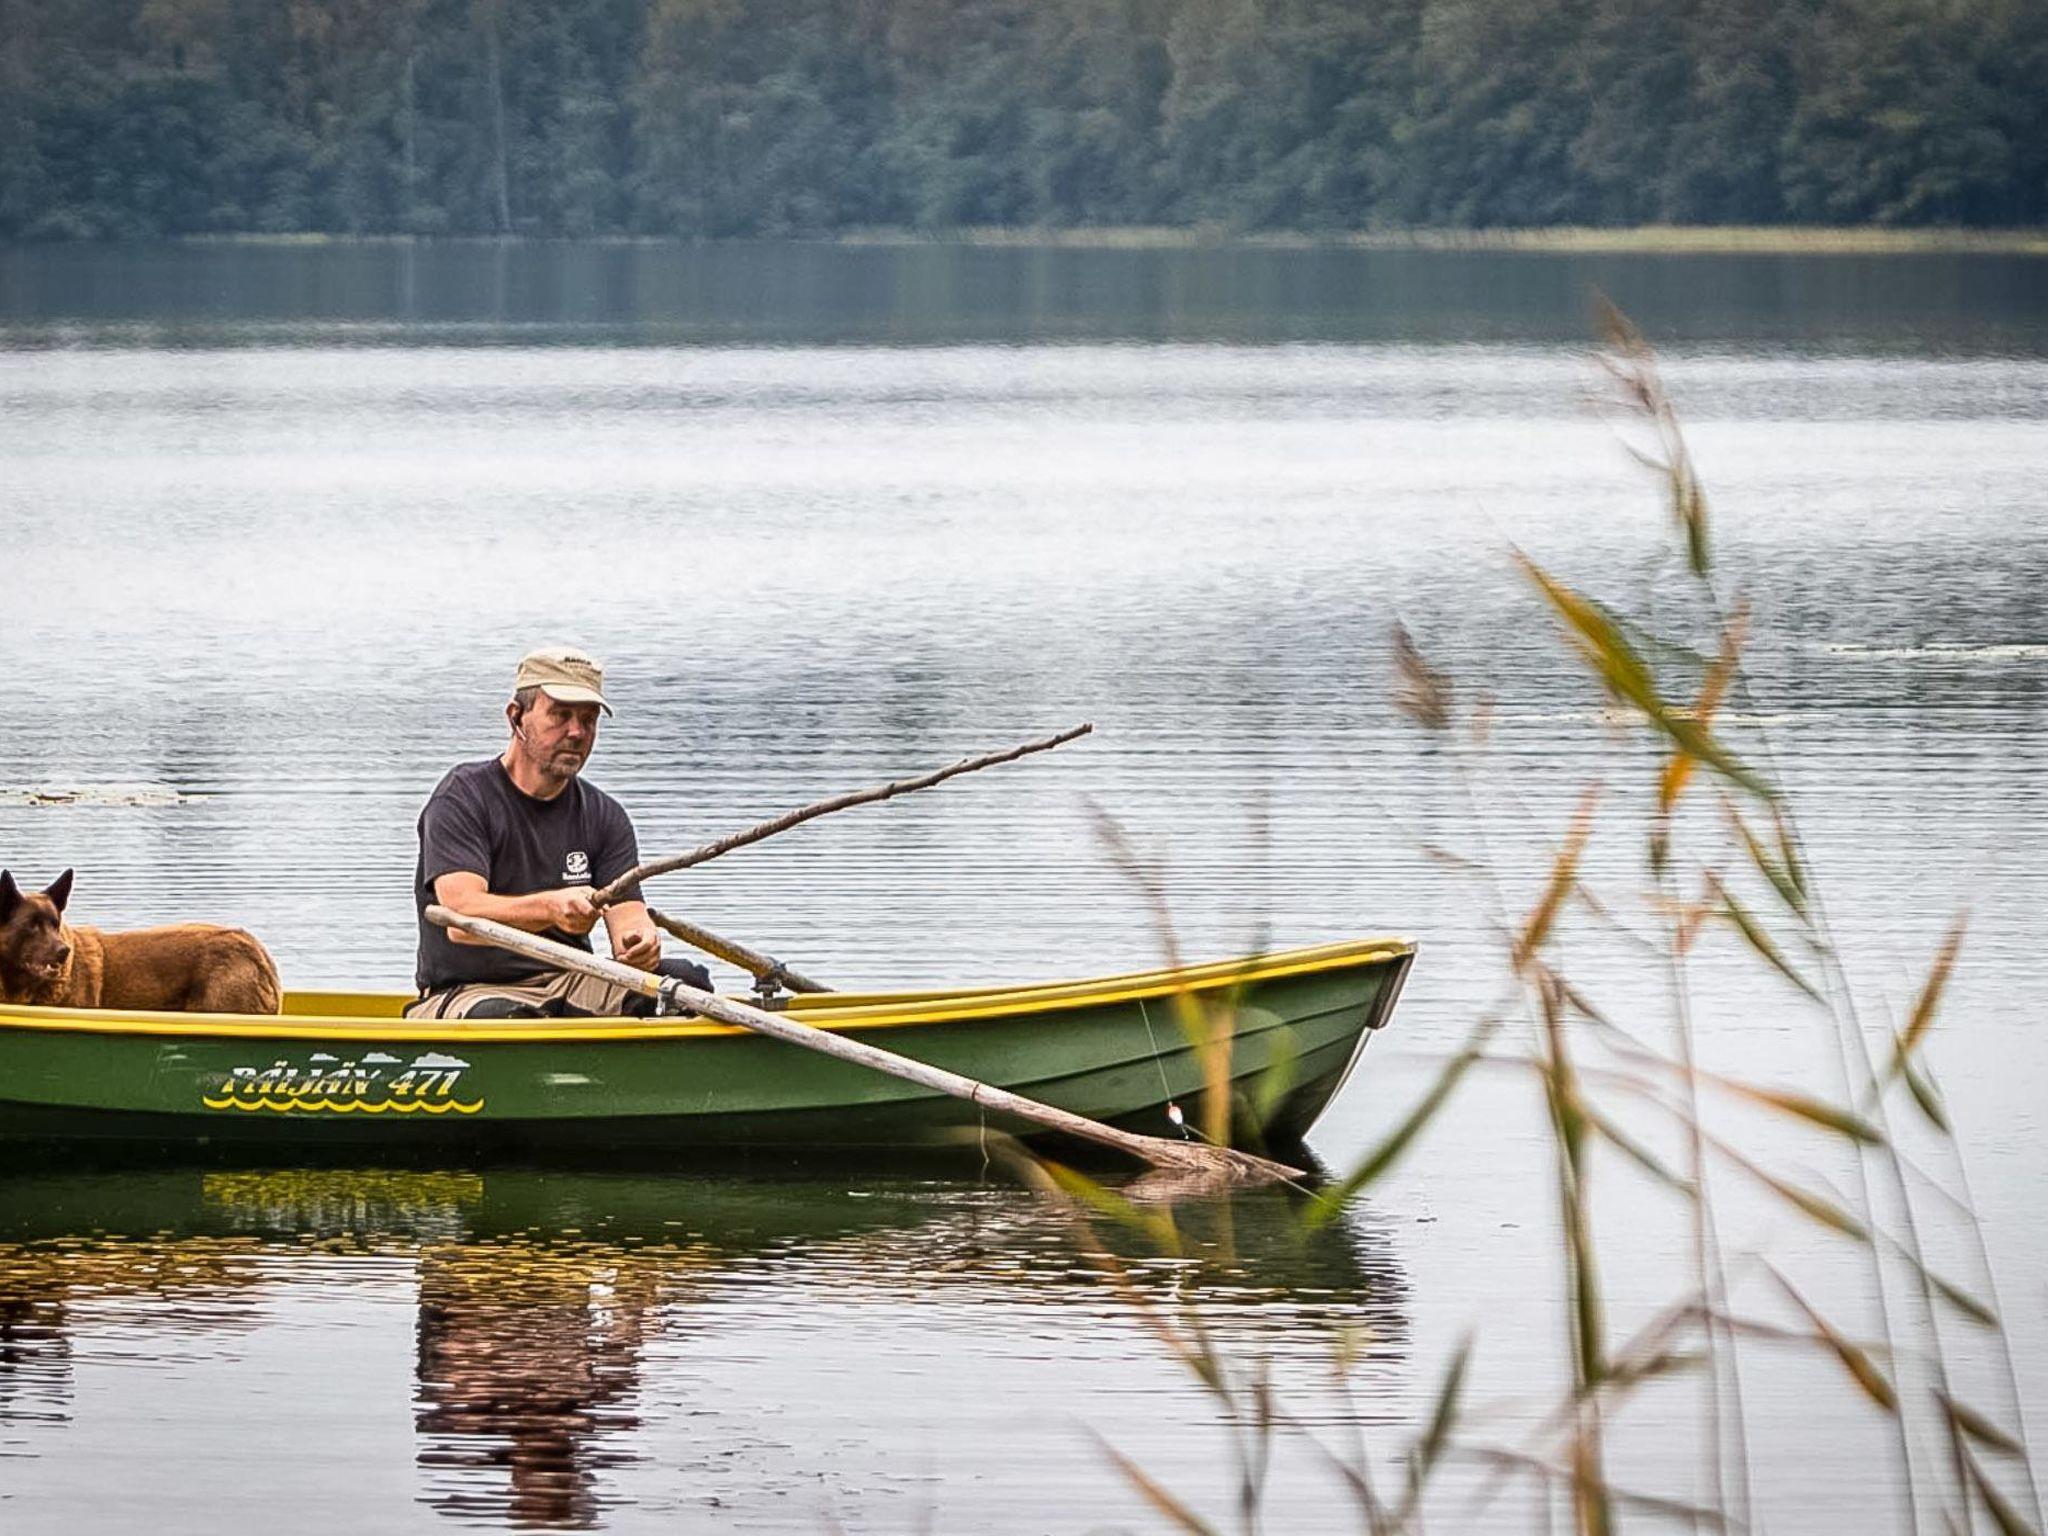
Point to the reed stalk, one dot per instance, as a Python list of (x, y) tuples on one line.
[(1578, 1057)]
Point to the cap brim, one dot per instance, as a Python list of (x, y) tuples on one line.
[(569, 693)]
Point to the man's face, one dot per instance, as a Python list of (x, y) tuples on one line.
[(557, 736)]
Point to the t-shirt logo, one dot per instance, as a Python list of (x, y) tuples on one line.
[(576, 866)]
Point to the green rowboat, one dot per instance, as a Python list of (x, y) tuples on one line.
[(344, 1073)]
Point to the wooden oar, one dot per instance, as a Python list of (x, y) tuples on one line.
[(765, 969), (1216, 1165), (605, 895)]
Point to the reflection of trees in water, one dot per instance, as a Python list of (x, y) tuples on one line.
[(529, 1363), (185, 1283), (538, 1295)]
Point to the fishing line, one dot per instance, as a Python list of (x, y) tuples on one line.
[(1173, 1112)]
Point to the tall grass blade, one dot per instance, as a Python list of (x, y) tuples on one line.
[(1921, 1020), (1189, 1344), (1979, 1428), (1771, 867), (1599, 639), (1584, 1006), (1823, 1211), (1591, 1496), (1678, 768), (1445, 1416), (1255, 1462), (1628, 1374), (1689, 505), (1922, 1089), (1444, 856), (1598, 636), (2008, 1520), (1975, 1310), (1855, 1360), (1150, 1490), (1588, 1307), (1826, 1212), (1649, 1503), (1637, 1153), (1803, 1107), (1788, 850), (1753, 932), (1591, 1506), (1330, 1203), (1154, 1225), (1564, 877), (1357, 1479)]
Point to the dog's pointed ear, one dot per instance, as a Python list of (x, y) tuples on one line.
[(59, 890), (10, 894)]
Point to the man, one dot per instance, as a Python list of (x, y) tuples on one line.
[(523, 840)]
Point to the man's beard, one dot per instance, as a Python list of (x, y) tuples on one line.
[(564, 765)]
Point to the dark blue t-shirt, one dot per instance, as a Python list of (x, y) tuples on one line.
[(478, 820)]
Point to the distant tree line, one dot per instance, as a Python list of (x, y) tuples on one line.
[(142, 118)]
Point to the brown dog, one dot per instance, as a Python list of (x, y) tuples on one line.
[(192, 967)]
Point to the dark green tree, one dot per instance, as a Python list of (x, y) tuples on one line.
[(705, 118)]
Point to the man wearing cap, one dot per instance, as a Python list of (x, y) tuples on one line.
[(522, 839)]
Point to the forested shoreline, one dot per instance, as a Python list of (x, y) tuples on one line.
[(128, 119)]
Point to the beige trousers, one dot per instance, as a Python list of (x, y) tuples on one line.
[(564, 993)]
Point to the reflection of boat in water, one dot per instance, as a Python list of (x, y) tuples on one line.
[(538, 1296), (342, 1072), (121, 1231)]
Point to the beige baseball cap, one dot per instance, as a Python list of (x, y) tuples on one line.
[(564, 674)]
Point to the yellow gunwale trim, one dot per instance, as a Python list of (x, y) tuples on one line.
[(846, 1011)]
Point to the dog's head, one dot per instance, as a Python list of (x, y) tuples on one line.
[(35, 951)]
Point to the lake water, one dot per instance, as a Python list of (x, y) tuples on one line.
[(277, 522)]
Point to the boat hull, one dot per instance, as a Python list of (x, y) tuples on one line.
[(340, 1073)]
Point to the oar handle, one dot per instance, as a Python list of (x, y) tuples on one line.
[(1189, 1157), (762, 967)]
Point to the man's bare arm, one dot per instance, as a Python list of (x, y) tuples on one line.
[(569, 910)]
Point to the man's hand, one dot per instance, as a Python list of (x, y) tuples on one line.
[(637, 947), (572, 910)]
